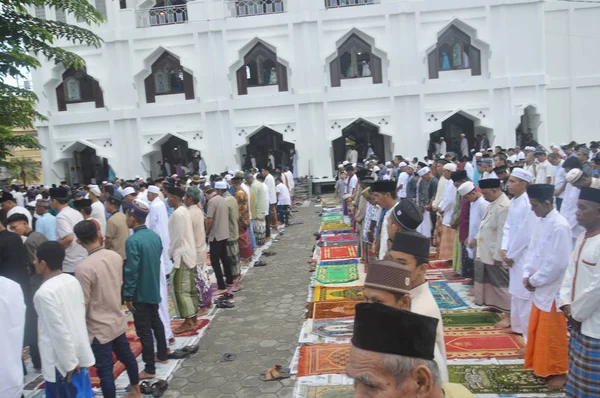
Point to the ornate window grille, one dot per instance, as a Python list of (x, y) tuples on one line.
[(158, 16)]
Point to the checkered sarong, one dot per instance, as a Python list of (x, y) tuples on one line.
[(584, 366)]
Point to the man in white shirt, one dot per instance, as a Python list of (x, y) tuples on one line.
[(288, 179), (10, 207), (515, 242), (63, 338), (98, 210), (476, 213), (12, 333), (66, 219), (580, 300), (560, 181), (545, 265), (284, 201), (384, 193), (270, 182), (18, 195), (402, 181), (544, 170), (446, 209)]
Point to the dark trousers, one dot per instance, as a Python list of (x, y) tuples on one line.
[(268, 225), (283, 213), (104, 363), (558, 203), (218, 253), (31, 334), (146, 321)]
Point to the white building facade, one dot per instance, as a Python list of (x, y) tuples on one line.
[(313, 77)]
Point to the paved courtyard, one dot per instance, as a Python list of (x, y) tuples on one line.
[(262, 329)]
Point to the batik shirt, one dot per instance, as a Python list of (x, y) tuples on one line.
[(244, 215)]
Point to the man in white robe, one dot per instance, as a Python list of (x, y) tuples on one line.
[(12, 332), (158, 221), (446, 209), (98, 210), (569, 204), (515, 242), (464, 145), (477, 211)]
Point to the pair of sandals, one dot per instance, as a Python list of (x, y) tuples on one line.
[(184, 352), (274, 373), (260, 263), (156, 389), (225, 301)]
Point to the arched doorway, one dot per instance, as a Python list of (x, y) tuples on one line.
[(84, 163), (451, 130), (176, 152), (526, 133), (264, 142), (360, 135)]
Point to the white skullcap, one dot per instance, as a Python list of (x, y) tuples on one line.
[(220, 185), (479, 154), (450, 167), (345, 162), (574, 175), (340, 165), (208, 184), (402, 164), (441, 138), (465, 188), (424, 171), (376, 168), (353, 164), (522, 174), (462, 134), (231, 172), (128, 191), (412, 167), (153, 189), (46, 187), (490, 149), (95, 190), (388, 163)]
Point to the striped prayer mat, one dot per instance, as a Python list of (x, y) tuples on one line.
[(321, 359), (469, 319), (333, 327), (484, 342)]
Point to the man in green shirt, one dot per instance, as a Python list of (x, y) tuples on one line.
[(141, 286)]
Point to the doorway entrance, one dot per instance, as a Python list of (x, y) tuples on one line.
[(87, 167), (176, 152), (451, 130), (364, 137), (267, 142), (526, 133)]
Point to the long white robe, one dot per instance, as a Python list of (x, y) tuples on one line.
[(568, 209), (158, 221), (476, 213), (447, 203), (12, 311)]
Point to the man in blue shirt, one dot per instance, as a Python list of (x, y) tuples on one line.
[(46, 223)]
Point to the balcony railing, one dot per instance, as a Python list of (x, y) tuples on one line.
[(247, 8), (159, 16), (348, 3)]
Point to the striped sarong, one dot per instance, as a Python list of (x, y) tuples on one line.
[(584, 366), (447, 243), (184, 285), (260, 231), (233, 253), (203, 286), (491, 286), (457, 255)]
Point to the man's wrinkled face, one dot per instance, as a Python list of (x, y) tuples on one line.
[(372, 380)]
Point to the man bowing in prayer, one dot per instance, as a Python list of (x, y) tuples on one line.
[(545, 266), (183, 253), (580, 300)]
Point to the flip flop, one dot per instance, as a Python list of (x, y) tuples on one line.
[(268, 254), (260, 264), (178, 354), (283, 371), (274, 373), (224, 304), (159, 388), (191, 349), (146, 388), (228, 357)]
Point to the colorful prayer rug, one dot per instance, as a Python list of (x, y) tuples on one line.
[(338, 252), (335, 227), (323, 293), (498, 379), (336, 327), (322, 359), (339, 238), (333, 217), (482, 343), (330, 309), (469, 319), (342, 273), (434, 276), (118, 367), (326, 391), (345, 243), (445, 296), (439, 264)]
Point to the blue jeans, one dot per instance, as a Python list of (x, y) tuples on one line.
[(104, 363), (252, 238), (63, 389)]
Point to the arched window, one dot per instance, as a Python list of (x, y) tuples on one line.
[(168, 77), (78, 86), (261, 68), (355, 60), (454, 52)]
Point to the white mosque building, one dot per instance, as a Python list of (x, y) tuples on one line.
[(306, 79)]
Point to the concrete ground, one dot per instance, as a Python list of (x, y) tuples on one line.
[(262, 329)]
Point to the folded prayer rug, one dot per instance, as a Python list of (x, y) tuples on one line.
[(323, 293), (498, 379), (469, 319), (322, 359), (334, 327), (446, 297), (484, 342), (434, 276), (439, 265), (306, 391), (338, 252), (331, 274), (330, 309)]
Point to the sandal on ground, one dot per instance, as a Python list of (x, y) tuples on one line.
[(159, 388), (191, 349), (268, 254), (178, 354), (225, 296), (275, 373), (224, 304), (228, 357), (146, 388), (260, 264)]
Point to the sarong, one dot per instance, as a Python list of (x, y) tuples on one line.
[(252, 237), (203, 286), (425, 227), (245, 244), (491, 286), (584, 367), (437, 232), (259, 231), (447, 243), (233, 253), (547, 343), (186, 296), (467, 270), (457, 255)]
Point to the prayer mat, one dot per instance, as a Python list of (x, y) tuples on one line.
[(482, 343), (323, 293), (439, 264), (340, 238), (338, 252), (326, 391), (498, 379), (453, 277), (332, 217), (336, 327), (118, 367), (445, 296), (330, 309), (434, 276), (335, 227), (342, 273), (469, 319), (322, 359)]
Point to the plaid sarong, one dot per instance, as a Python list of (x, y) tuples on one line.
[(584, 366), (233, 253)]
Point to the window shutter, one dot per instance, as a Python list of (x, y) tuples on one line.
[(60, 97), (336, 76), (242, 81), (150, 89), (432, 64), (188, 85), (98, 95), (282, 78), (376, 69), (475, 59)]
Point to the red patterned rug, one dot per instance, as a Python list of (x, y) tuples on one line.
[(320, 359), (338, 252), (485, 342)]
